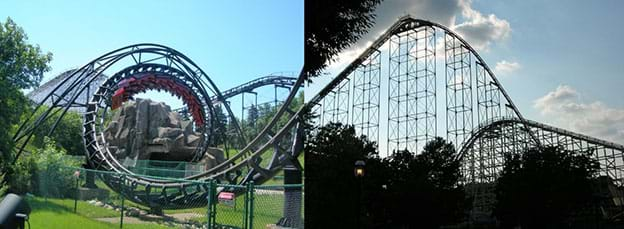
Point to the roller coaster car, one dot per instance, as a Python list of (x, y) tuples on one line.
[(117, 99)]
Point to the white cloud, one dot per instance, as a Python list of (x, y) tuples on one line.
[(478, 30), (565, 106), (550, 103), (347, 56), (505, 67)]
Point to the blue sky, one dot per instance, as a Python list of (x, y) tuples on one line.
[(559, 60), (232, 41)]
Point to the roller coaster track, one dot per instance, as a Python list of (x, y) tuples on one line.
[(249, 87), (276, 80), (279, 81), (496, 125), (151, 62), (482, 129)]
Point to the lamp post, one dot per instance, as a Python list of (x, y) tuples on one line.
[(359, 172), (359, 168)]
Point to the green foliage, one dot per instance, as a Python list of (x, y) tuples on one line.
[(44, 172), (544, 187), (220, 126), (252, 116), (21, 181), (262, 115), (21, 64), (21, 67), (55, 177), (67, 134), (334, 26)]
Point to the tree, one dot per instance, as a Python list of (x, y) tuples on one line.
[(220, 130), (423, 190), (330, 181), (543, 187), (331, 26), (251, 122), (22, 64), (21, 67), (66, 133)]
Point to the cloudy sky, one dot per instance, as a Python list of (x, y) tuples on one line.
[(558, 60)]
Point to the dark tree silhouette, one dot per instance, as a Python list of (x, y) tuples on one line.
[(331, 187), (401, 191), (543, 188), (423, 189), (331, 26)]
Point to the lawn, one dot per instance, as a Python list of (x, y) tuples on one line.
[(57, 213)]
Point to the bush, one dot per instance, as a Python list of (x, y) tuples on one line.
[(20, 181), (54, 170), (45, 171)]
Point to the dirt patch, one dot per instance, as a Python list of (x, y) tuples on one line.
[(185, 216), (127, 219)]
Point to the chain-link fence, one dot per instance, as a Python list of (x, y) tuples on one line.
[(94, 196)]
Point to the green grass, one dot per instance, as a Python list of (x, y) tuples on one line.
[(58, 213)]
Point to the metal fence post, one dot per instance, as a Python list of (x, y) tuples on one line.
[(121, 187), (210, 212), (250, 189), (246, 208), (45, 188), (77, 175)]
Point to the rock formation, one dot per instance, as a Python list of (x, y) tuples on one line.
[(147, 130)]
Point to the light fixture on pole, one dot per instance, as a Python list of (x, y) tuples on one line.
[(359, 168), (359, 175)]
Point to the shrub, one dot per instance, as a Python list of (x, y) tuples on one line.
[(45, 171)]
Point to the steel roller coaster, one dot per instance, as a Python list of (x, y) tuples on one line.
[(141, 67)]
